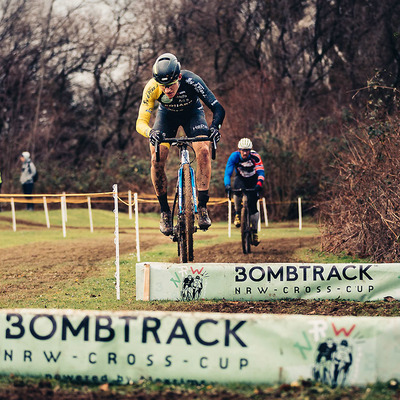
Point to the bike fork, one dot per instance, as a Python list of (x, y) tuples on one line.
[(185, 160), (193, 180)]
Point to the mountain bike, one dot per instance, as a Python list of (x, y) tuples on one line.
[(245, 225), (185, 200)]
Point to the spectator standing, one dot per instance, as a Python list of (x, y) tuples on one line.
[(28, 173)]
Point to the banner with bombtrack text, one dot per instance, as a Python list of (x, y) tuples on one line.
[(274, 281), (125, 347)]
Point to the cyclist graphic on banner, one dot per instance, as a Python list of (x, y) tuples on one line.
[(250, 174), (333, 362), (192, 288), (179, 93)]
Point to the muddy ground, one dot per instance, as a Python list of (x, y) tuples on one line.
[(79, 260)]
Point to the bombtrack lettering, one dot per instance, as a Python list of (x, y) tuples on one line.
[(143, 330), (305, 273)]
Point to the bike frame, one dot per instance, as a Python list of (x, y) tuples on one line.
[(245, 230), (185, 159), (187, 207)]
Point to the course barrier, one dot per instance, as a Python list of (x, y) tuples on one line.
[(125, 347), (273, 281), (115, 198), (107, 197)]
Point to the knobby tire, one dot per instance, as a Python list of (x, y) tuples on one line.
[(186, 221), (189, 214), (245, 227)]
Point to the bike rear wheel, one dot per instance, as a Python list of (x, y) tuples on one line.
[(186, 221), (245, 228), (189, 211)]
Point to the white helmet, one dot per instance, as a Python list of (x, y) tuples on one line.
[(245, 144), (26, 155)]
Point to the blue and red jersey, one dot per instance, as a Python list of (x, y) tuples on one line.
[(247, 168)]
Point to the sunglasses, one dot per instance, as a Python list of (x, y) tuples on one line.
[(169, 84)]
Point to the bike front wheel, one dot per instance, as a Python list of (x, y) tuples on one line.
[(245, 229), (186, 224)]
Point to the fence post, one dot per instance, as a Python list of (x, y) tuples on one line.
[(146, 283), (130, 204), (65, 206), (116, 240), (90, 214), (46, 212), (63, 218), (300, 217), (14, 222), (135, 198), (265, 212), (229, 216)]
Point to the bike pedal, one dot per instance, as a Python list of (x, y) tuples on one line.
[(174, 236)]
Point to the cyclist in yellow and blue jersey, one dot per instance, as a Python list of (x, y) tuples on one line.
[(178, 93), (249, 174)]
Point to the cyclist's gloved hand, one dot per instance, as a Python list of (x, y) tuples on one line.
[(214, 134), (228, 191), (155, 136), (258, 186)]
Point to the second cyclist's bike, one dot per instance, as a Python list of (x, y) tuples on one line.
[(185, 202), (245, 224)]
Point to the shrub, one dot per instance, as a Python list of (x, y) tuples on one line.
[(362, 213)]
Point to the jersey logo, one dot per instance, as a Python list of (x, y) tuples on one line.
[(196, 85), (166, 99)]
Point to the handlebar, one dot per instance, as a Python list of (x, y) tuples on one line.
[(240, 190), (185, 140)]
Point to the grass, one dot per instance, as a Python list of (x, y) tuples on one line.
[(31, 227), (96, 291), (147, 389)]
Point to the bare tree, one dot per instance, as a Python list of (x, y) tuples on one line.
[(71, 80)]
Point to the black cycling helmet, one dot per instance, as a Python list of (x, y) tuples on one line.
[(166, 69)]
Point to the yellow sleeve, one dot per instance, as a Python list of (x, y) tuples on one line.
[(151, 93)]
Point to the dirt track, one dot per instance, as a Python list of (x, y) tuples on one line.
[(279, 250), (80, 258)]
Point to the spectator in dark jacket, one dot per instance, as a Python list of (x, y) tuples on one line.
[(27, 177)]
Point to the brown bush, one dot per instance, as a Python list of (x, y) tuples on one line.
[(362, 215)]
